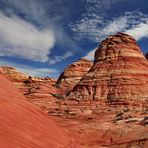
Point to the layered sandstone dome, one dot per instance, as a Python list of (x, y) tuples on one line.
[(119, 73), (22, 125), (73, 73)]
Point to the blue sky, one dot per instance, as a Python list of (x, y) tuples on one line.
[(42, 37)]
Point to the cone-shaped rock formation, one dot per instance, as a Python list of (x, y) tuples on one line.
[(119, 73), (73, 73)]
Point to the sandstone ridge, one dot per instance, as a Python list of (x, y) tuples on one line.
[(12, 74), (119, 72)]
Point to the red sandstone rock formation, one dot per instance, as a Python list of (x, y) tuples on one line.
[(22, 125), (146, 56), (40, 91), (36, 90), (119, 73), (12, 74), (73, 73), (44, 79)]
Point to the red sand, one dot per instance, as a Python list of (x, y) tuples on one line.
[(22, 125)]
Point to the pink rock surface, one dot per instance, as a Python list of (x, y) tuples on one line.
[(22, 125)]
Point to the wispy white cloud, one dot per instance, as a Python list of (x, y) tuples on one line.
[(22, 39), (30, 70), (133, 23), (114, 26), (38, 11), (91, 23), (90, 55), (56, 59), (49, 20), (95, 25), (100, 6), (139, 31)]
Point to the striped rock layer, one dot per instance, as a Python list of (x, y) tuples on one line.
[(73, 73), (119, 73)]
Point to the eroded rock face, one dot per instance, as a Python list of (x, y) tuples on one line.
[(146, 56), (39, 91), (73, 73), (24, 125), (12, 74), (119, 73), (36, 90)]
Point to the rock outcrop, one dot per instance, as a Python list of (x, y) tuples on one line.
[(13, 75), (146, 56), (36, 90), (39, 91), (119, 72), (24, 125), (72, 74)]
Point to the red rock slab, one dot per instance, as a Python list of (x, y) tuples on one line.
[(22, 125)]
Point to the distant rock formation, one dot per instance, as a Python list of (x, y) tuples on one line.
[(146, 56), (12, 74), (24, 125), (44, 79), (36, 90), (119, 72), (72, 74)]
